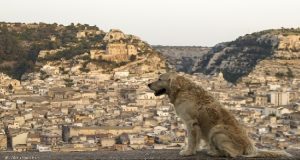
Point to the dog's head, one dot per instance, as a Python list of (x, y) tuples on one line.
[(163, 84)]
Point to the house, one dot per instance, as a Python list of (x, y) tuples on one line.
[(107, 142), (279, 98), (134, 139), (159, 146), (96, 54), (33, 139), (150, 122), (43, 91), (129, 108), (261, 100), (121, 74), (159, 129), (121, 147), (61, 93), (162, 113), (70, 131), (3, 141), (42, 148), (20, 148), (18, 138), (50, 138), (269, 111)]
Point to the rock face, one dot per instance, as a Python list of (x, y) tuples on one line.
[(237, 58), (183, 58), (284, 62), (288, 47), (267, 53)]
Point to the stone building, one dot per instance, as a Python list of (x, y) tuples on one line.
[(33, 139), (116, 48), (119, 52), (60, 93), (279, 98), (96, 54), (70, 131), (114, 35), (107, 142), (3, 141), (6, 82), (17, 139), (261, 100)]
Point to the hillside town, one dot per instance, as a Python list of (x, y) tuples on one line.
[(98, 99), (118, 112)]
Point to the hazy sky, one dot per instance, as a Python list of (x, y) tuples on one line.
[(165, 22)]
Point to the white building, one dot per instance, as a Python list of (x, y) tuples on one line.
[(279, 98)]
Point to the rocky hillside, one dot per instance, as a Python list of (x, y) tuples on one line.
[(266, 53), (183, 58), (76, 49), (72, 49)]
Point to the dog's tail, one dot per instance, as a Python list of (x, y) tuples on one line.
[(269, 154)]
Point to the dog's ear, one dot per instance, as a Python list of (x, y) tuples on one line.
[(176, 82), (172, 75)]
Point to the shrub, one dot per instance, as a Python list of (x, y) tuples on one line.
[(279, 75)]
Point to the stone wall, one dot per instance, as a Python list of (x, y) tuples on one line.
[(114, 35), (119, 52), (3, 142)]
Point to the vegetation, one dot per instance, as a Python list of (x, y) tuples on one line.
[(280, 75), (43, 75), (20, 44), (289, 74), (68, 53), (239, 57), (272, 115), (69, 82), (132, 58), (86, 70)]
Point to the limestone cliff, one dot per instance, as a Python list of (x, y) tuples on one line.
[(270, 53), (284, 63)]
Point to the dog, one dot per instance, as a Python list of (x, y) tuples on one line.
[(206, 119)]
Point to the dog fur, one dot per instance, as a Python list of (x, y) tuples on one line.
[(206, 119)]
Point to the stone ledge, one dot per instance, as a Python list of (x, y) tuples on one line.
[(109, 155)]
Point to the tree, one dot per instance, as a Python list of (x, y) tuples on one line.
[(279, 75), (21, 69), (132, 58), (289, 73), (68, 82), (10, 87)]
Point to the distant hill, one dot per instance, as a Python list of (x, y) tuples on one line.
[(273, 52), (75, 49), (26, 48)]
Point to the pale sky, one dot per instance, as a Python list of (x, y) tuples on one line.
[(164, 22)]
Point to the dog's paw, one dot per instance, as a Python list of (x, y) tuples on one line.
[(186, 152), (202, 148), (212, 153)]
